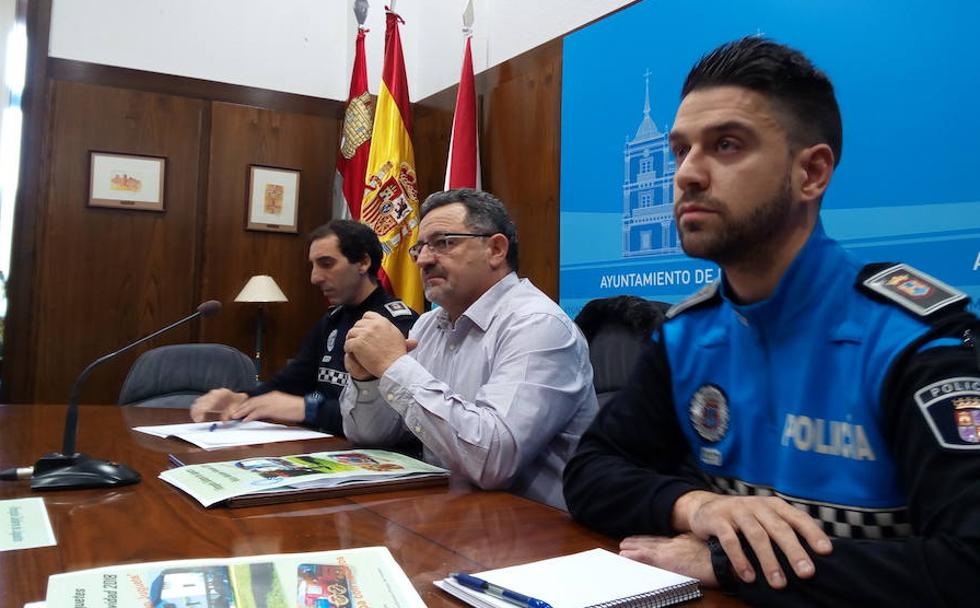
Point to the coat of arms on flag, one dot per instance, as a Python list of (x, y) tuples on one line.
[(391, 199), (395, 197), (357, 124)]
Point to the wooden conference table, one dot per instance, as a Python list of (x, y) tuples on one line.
[(430, 532)]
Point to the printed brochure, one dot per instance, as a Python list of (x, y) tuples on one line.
[(270, 479), (368, 577)]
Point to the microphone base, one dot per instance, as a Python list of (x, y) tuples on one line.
[(78, 471)]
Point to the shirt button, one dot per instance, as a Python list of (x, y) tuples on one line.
[(452, 347), (418, 428), (390, 396)]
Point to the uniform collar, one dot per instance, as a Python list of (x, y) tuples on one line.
[(375, 299), (808, 281)]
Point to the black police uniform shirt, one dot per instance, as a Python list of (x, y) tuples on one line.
[(317, 371), (852, 393)]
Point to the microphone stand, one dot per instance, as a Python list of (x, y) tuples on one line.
[(68, 470)]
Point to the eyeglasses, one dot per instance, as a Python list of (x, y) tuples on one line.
[(441, 243)]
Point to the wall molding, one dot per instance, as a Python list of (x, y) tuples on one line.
[(195, 88)]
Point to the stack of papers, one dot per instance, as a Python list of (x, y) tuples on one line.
[(230, 434)]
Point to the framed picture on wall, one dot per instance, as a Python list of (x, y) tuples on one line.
[(126, 181), (273, 199)]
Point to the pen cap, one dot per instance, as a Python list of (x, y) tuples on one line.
[(468, 580)]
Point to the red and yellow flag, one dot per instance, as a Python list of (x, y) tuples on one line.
[(391, 196)]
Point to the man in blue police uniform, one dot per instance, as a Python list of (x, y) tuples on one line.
[(346, 256), (806, 430)]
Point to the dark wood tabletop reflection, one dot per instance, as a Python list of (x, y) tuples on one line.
[(431, 531)]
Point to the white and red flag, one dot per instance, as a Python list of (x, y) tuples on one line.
[(463, 164), (355, 143)]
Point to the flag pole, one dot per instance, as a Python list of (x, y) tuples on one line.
[(463, 162), (355, 143)]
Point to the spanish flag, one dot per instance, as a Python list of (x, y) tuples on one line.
[(391, 195)]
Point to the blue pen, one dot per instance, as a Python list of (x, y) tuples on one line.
[(478, 584), (217, 425)]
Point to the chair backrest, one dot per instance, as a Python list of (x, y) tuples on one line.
[(617, 329), (175, 375)]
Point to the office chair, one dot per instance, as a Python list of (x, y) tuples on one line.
[(617, 330), (174, 375)]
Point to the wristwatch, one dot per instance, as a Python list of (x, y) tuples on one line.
[(311, 404), (722, 566)]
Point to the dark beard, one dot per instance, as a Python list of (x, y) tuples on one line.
[(745, 241)]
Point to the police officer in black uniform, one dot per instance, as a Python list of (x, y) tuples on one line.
[(346, 256)]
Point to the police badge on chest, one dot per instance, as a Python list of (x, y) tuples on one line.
[(708, 412)]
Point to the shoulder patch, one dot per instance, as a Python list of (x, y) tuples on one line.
[(913, 290), (701, 296), (951, 408), (398, 309)]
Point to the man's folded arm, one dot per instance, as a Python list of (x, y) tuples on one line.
[(368, 420), (534, 388)]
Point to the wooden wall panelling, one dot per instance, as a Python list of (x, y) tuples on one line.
[(520, 150), (522, 145), (107, 276), (240, 136), (433, 123), (213, 255)]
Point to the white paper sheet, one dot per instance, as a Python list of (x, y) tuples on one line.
[(24, 524), (230, 434)]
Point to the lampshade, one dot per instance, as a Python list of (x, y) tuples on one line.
[(262, 289)]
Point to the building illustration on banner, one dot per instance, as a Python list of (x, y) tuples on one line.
[(648, 187), (618, 232)]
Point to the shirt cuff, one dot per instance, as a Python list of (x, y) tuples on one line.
[(395, 384), (365, 391)]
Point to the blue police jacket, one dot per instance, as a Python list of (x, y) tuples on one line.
[(784, 395)]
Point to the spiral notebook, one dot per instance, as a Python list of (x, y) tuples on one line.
[(591, 579)]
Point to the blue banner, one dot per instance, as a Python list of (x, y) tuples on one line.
[(907, 188)]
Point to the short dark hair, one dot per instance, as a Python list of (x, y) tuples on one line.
[(484, 213), (797, 89), (356, 241)]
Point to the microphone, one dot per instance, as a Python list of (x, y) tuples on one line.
[(68, 470)]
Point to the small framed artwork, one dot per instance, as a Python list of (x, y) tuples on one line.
[(273, 199), (126, 181)]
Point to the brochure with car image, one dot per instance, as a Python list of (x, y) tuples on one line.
[(270, 479), (367, 577)]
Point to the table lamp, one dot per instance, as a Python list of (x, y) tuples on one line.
[(260, 289)]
